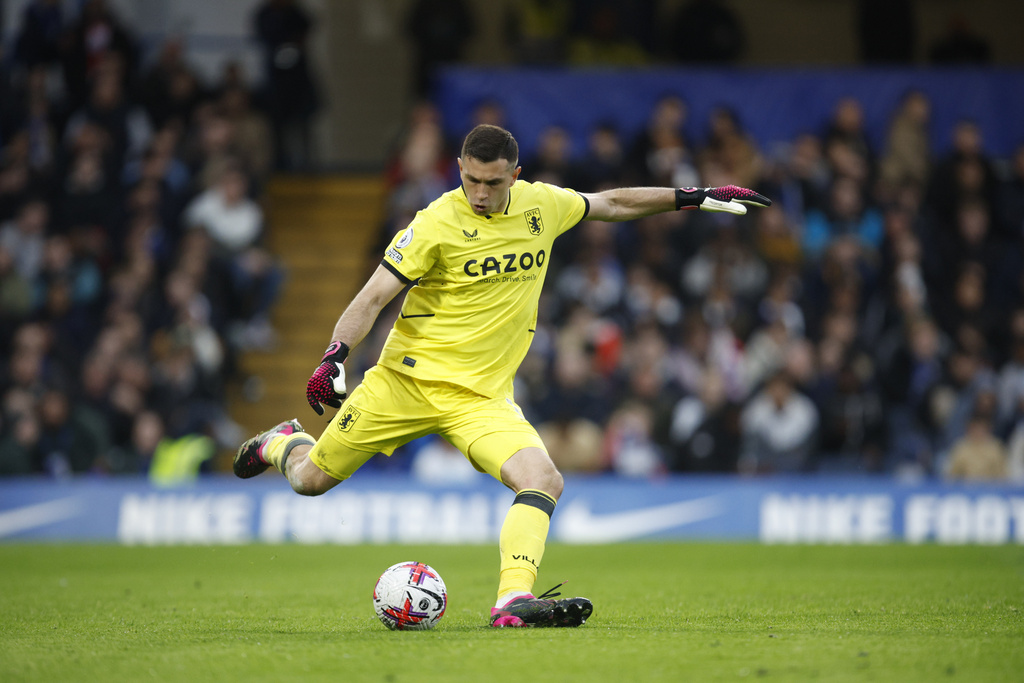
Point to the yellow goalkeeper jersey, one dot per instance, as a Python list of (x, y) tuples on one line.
[(470, 317)]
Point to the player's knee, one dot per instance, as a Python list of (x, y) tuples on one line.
[(308, 488), (555, 483), (548, 479), (309, 480), (531, 468)]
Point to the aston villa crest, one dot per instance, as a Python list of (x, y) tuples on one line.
[(534, 222)]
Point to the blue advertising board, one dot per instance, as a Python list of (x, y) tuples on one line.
[(774, 105), (376, 509)]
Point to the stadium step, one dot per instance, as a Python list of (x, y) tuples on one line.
[(323, 229)]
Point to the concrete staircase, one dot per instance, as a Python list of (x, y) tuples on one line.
[(322, 228)]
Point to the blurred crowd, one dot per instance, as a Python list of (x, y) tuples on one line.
[(132, 268), (870, 321)]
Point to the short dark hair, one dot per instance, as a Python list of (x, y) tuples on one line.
[(488, 143)]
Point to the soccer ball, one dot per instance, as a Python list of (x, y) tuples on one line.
[(410, 596)]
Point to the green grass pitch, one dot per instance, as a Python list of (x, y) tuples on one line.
[(663, 612)]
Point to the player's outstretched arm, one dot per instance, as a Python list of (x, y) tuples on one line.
[(327, 384), (630, 203)]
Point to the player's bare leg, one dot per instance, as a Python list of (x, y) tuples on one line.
[(286, 447), (538, 485), (304, 476)]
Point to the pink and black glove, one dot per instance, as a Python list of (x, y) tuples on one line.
[(728, 199), (327, 385)]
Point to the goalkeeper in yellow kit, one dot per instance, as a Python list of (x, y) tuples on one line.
[(476, 258)]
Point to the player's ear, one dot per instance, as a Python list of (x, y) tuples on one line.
[(515, 173), (459, 159)]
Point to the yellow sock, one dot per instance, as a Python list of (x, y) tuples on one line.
[(522, 539), (279, 447)]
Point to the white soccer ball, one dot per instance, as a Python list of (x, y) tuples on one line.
[(410, 596)]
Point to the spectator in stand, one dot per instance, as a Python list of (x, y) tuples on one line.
[(704, 434), (158, 184), (909, 372), (72, 438), (552, 161), (595, 278), (16, 296), (725, 258), (781, 325), (907, 157), (209, 147), (171, 89), (966, 172), (967, 386), (776, 240), (630, 446), (1010, 199), (965, 314), (69, 289), (291, 95), (417, 173), (29, 120), (1010, 382), (18, 182), (978, 455), (252, 136), (108, 107), (135, 458), (88, 197), (706, 348), (779, 429), (19, 445), (809, 176), (847, 214), (578, 377), (852, 434), (650, 300), (96, 38), (601, 164), (38, 41), (661, 148), (234, 223), (1015, 453), (847, 146), (24, 238), (731, 149)]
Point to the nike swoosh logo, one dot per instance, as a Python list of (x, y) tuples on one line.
[(40, 514), (577, 524)]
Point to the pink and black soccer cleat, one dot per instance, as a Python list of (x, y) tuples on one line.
[(542, 611), (249, 460)]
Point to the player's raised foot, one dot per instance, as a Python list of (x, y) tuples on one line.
[(250, 459), (544, 610)]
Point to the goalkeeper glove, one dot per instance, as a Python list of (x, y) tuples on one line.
[(729, 198), (327, 385)]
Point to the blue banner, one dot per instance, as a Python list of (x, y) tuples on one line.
[(375, 509), (774, 105)]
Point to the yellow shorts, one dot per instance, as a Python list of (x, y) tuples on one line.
[(389, 409)]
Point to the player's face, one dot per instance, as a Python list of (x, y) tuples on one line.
[(487, 183)]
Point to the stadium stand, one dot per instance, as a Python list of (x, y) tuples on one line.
[(872, 321)]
